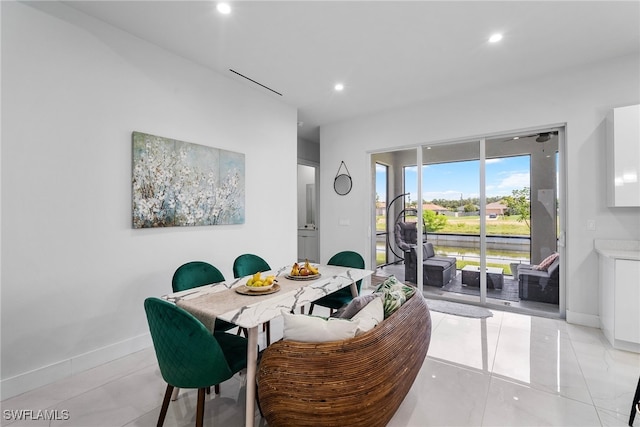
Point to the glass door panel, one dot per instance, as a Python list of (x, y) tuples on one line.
[(522, 217), (508, 231), (395, 194), (451, 203), (382, 195)]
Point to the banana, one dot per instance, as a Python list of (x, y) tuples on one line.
[(310, 268)]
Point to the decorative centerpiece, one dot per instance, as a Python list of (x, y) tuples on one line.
[(305, 271)]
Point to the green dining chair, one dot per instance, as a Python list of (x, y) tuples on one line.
[(189, 356), (343, 296), (199, 273), (245, 265)]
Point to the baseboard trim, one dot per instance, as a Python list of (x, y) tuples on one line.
[(583, 319), (44, 375)]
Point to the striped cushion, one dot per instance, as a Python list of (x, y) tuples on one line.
[(544, 265)]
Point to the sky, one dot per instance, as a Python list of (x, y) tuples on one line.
[(452, 181)]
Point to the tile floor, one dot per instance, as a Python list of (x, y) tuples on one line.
[(507, 370)]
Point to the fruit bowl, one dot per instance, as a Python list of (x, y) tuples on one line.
[(299, 277), (260, 288), (257, 284), (303, 271)]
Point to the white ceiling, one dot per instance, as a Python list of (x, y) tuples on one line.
[(388, 54)]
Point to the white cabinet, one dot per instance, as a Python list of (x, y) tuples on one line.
[(620, 302), (627, 301), (623, 156), (308, 245)]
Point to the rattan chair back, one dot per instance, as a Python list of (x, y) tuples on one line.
[(356, 382)]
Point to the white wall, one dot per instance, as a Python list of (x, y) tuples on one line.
[(74, 272), (580, 98)]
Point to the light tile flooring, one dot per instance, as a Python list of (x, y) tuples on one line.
[(507, 370)]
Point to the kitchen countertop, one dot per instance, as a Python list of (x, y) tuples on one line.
[(619, 249)]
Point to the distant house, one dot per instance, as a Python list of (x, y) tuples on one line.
[(381, 208), (496, 208), (433, 207)]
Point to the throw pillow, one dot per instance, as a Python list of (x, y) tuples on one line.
[(356, 304), (392, 301), (369, 316), (300, 327), (392, 284), (544, 265)]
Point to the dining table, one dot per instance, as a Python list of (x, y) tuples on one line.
[(233, 302)]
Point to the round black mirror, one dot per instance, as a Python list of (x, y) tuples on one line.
[(342, 184)]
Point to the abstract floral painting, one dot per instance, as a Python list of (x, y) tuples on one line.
[(176, 183)]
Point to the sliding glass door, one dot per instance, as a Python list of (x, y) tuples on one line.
[(482, 214), (492, 205)]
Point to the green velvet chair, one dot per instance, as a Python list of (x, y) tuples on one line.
[(188, 354), (245, 265), (199, 273), (339, 298)]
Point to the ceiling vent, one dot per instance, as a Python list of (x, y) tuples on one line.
[(253, 81)]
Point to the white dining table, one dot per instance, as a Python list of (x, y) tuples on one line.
[(223, 301)]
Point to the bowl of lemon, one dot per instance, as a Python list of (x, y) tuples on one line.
[(257, 283)]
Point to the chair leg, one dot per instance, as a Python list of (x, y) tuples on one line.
[(268, 328), (636, 401), (216, 388), (165, 405), (200, 408), (311, 308), (174, 395)]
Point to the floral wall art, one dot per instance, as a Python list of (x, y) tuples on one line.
[(178, 183)]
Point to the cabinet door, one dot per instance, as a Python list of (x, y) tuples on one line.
[(623, 156), (627, 300)]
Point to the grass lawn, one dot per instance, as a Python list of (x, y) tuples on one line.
[(501, 226)]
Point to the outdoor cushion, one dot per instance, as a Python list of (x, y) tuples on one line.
[(544, 265), (428, 251)]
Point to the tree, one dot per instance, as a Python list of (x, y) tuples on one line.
[(470, 207), (433, 221), (519, 203)]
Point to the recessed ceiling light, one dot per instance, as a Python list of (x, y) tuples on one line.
[(224, 8), (495, 38), (338, 87)]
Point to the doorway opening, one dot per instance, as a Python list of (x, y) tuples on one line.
[(492, 220), (308, 200)]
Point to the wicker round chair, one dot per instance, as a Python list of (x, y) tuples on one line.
[(357, 382)]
